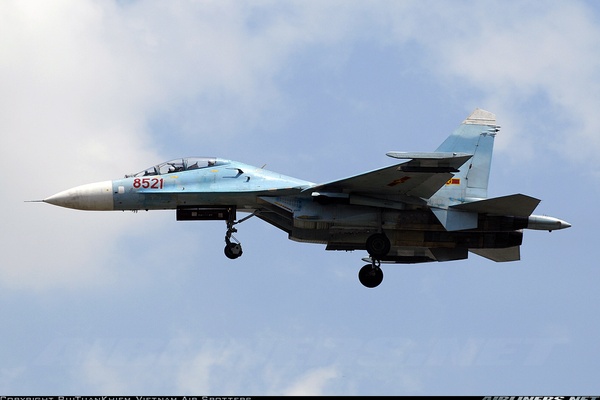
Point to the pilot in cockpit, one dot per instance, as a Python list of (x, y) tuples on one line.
[(175, 167)]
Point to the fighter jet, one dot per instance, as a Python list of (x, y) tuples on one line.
[(429, 206)]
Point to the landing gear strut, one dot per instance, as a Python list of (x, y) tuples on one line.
[(378, 245), (233, 249)]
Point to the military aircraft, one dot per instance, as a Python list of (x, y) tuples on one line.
[(431, 206)]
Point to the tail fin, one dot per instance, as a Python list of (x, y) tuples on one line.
[(474, 136)]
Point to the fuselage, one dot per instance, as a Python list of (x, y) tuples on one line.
[(202, 188), (209, 182), (217, 182)]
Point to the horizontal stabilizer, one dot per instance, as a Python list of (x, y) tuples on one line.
[(499, 255), (518, 205)]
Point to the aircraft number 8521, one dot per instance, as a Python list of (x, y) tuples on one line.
[(148, 183)]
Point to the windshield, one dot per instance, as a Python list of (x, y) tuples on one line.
[(177, 165)]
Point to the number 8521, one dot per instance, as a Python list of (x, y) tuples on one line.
[(148, 183)]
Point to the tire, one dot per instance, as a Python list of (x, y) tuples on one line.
[(370, 277), (233, 250), (378, 245)]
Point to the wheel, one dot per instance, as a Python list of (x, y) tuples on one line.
[(378, 245), (370, 276), (233, 250)]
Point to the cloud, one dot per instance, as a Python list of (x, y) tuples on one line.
[(313, 382), (92, 91), (199, 373), (188, 364), (80, 84), (513, 53), (83, 85), (97, 373)]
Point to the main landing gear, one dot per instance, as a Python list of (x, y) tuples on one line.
[(371, 275), (233, 249)]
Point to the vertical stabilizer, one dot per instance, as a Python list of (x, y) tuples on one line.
[(474, 136)]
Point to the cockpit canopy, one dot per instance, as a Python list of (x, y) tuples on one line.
[(178, 165)]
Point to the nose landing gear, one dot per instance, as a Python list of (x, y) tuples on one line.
[(233, 249)]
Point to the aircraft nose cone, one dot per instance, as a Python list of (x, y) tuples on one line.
[(564, 225), (93, 196)]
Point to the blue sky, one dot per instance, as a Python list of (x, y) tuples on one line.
[(120, 303)]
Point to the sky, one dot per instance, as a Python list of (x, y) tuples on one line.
[(114, 303)]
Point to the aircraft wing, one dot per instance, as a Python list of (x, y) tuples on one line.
[(421, 177)]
